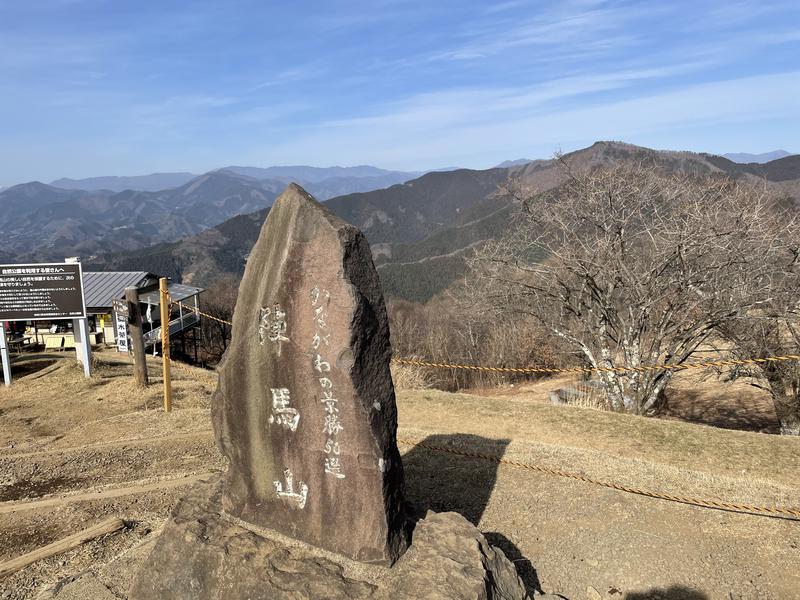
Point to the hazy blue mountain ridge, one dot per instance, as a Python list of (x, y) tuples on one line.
[(309, 174), (422, 230), (40, 222), (144, 183), (764, 157)]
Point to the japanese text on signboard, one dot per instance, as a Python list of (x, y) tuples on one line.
[(44, 291)]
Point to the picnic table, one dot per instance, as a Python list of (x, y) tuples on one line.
[(18, 343)]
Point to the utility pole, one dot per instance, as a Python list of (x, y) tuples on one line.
[(137, 338), (164, 304)]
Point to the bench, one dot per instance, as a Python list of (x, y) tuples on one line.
[(53, 343)]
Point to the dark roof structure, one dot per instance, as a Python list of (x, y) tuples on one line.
[(100, 288), (177, 291)]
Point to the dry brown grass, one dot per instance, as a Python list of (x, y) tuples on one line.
[(683, 446), (410, 377), (572, 533), (60, 407)]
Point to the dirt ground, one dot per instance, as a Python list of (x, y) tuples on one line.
[(74, 452)]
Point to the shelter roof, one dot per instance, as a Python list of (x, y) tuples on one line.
[(101, 287)]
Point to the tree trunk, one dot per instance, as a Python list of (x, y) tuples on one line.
[(655, 400), (788, 411), (787, 405), (613, 388), (634, 396)]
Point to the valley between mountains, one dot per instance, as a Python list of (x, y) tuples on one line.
[(421, 226)]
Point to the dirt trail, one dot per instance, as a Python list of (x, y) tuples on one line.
[(137, 488), (141, 441), (69, 461)]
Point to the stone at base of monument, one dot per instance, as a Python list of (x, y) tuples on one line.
[(203, 555)]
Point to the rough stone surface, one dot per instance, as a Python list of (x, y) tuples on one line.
[(450, 559), (82, 587), (305, 410), (202, 555)]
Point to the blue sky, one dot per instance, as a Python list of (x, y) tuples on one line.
[(110, 87)]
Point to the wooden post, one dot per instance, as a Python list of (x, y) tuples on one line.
[(137, 339), (164, 304), (67, 543)]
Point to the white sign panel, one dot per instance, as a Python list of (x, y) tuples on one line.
[(121, 327)]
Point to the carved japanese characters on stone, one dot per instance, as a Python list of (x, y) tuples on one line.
[(305, 411), (287, 491), (282, 413), (272, 326)]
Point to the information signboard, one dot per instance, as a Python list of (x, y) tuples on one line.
[(46, 292), (120, 308)]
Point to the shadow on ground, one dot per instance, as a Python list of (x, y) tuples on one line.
[(674, 592), (22, 368), (443, 482), (731, 413)]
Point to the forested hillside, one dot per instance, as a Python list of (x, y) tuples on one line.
[(422, 230)]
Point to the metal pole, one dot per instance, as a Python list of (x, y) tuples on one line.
[(197, 327), (83, 344), (86, 334), (137, 341), (4, 353), (164, 304)]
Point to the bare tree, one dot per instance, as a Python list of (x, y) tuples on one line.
[(218, 301), (773, 330), (447, 331), (634, 267)]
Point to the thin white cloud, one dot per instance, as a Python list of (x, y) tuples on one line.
[(22, 53), (470, 105), (301, 72), (729, 13), (566, 27), (498, 7), (399, 140)]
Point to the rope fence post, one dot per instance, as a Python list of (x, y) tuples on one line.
[(137, 341), (164, 303)]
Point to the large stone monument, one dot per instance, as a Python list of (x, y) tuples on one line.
[(311, 505), (305, 410)]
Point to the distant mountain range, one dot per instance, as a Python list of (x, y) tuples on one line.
[(42, 222), (103, 215), (765, 157), (324, 182), (422, 230), (513, 163), (403, 213), (141, 183), (318, 174)]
